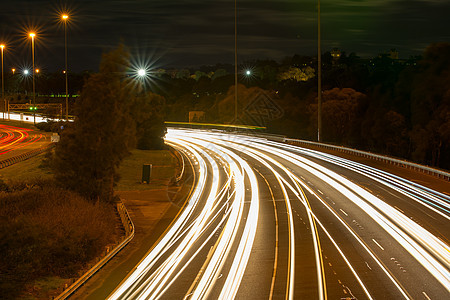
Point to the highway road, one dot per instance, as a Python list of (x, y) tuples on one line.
[(266, 220), (16, 140)]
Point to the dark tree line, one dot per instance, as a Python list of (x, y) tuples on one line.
[(389, 106), (113, 115)]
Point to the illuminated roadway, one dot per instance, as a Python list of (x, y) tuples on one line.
[(16, 140), (266, 220)]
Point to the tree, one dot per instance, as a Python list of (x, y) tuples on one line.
[(148, 113), (340, 115), (90, 151), (430, 106)]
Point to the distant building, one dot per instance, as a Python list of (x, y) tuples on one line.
[(393, 54)]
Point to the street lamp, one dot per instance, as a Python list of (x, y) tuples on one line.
[(3, 82), (32, 35), (319, 79), (235, 65), (142, 72), (65, 18)]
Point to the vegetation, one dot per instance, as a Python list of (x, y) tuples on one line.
[(109, 113), (385, 105), (48, 231)]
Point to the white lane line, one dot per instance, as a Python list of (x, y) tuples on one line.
[(377, 244), (343, 212), (426, 296), (320, 191), (367, 264), (399, 209)]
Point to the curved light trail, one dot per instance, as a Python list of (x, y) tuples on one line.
[(266, 219), (16, 139)]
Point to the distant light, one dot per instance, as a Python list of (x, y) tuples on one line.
[(37, 70), (2, 46), (64, 71), (141, 72), (32, 34), (248, 72), (13, 70), (64, 17), (25, 72)]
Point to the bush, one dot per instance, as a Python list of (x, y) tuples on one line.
[(48, 231), (52, 126)]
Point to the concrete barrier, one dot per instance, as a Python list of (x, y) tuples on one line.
[(24, 156)]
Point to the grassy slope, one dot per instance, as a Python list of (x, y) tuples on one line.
[(163, 170)]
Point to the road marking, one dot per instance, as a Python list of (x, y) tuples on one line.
[(367, 264), (343, 212), (275, 264), (320, 191), (378, 244), (426, 296), (399, 209)]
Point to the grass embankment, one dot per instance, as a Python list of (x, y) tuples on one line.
[(46, 231), (48, 234), (164, 167)]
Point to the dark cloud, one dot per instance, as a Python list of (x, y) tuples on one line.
[(189, 32)]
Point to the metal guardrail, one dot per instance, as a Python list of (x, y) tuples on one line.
[(129, 234), (393, 161), (18, 158)]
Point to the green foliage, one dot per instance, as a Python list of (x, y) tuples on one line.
[(47, 231), (89, 153), (52, 126), (148, 113)]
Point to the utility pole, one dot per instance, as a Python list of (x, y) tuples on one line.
[(319, 81), (235, 66)]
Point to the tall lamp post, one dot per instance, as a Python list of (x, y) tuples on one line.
[(3, 83), (65, 18), (32, 35), (235, 65), (319, 81)]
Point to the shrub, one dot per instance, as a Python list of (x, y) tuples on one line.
[(48, 231)]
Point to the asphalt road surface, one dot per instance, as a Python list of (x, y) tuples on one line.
[(16, 140), (267, 220)]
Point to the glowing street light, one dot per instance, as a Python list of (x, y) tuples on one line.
[(3, 82), (13, 71), (26, 72), (65, 18), (248, 72), (142, 72), (32, 35)]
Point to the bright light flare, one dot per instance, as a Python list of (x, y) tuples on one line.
[(142, 72)]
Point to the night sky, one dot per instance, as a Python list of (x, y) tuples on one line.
[(192, 32)]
